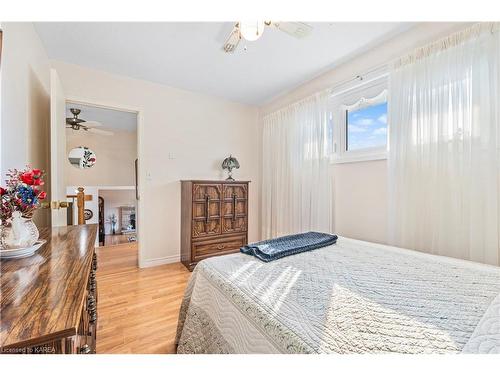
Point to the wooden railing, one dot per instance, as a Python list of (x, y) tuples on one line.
[(80, 204)]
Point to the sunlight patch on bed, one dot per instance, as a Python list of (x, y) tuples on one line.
[(279, 289), (354, 315), (241, 270)]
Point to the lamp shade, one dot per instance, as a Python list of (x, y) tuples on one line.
[(230, 163), (251, 30)]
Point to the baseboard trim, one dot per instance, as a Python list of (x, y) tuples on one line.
[(159, 261)]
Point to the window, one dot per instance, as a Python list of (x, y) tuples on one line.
[(367, 127), (360, 121)]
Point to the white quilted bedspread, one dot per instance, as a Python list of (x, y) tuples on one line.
[(352, 297)]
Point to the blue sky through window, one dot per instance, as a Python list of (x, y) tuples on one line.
[(367, 127)]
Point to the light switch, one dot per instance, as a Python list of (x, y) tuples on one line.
[(148, 176)]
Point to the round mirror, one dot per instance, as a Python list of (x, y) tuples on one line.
[(82, 157)]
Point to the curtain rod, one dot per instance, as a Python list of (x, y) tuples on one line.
[(449, 41), (362, 78), (446, 41)]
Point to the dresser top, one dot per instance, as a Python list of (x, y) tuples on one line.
[(216, 181), (42, 295)]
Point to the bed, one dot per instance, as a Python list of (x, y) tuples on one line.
[(351, 297)]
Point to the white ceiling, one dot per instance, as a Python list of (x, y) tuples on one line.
[(188, 55), (110, 119)]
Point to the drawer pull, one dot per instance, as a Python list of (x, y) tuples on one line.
[(85, 349), (220, 246), (207, 208), (234, 207)]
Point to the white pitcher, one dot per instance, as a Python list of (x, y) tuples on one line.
[(22, 232)]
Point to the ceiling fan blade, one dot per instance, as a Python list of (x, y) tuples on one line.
[(73, 121), (295, 29), (92, 124), (233, 40), (99, 131)]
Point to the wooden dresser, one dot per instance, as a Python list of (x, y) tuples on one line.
[(49, 300), (214, 219)]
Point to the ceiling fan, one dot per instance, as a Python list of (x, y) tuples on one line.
[(253, 30), (76, 123)]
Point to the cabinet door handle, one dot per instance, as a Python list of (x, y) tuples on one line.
[(207, 208), (234, 207)]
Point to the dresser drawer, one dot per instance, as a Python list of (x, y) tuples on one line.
[(219, 246)]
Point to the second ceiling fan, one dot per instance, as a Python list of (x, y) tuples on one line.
[(76, 123)]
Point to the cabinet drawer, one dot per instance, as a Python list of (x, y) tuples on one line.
[(220, 246)]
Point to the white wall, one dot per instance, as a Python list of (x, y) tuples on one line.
[(115, 157), (185, 136), (361, 200), (360, 189), (25, 104)]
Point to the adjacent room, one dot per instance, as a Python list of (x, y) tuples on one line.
[(101, 144), (250, 187)]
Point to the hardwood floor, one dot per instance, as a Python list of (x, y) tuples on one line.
[(138, 308), (117, 239)]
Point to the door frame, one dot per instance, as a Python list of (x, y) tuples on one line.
[(141, 179)]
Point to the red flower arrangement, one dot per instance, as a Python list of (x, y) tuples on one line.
[(22, 193)]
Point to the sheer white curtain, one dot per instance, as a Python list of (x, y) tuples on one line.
[(296, 181), (444, 147)]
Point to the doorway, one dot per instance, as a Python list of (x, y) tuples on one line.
[(102, 155), (94, 113)]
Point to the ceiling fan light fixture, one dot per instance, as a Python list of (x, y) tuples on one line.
[(251, 31)]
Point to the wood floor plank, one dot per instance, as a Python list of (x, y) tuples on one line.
[(138, 308)]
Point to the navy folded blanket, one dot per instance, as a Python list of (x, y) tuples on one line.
[(280, 247)]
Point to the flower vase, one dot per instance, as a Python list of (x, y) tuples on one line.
[(21, 233)]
